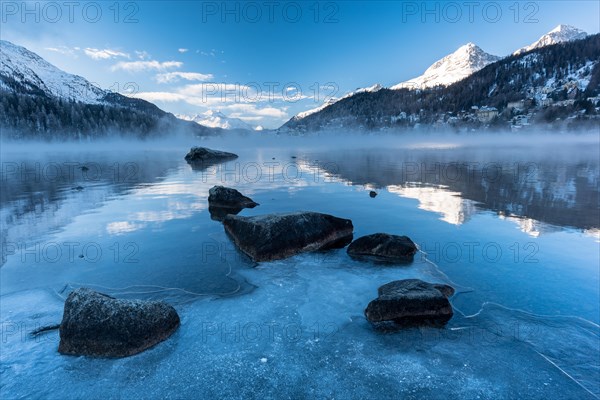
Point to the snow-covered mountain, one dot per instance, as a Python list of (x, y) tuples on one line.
[(560, 34), (457, 66), (465, 61), (39, 100), (23, 70), (554, 86), (216, 119), (452, 68), (371, 89)]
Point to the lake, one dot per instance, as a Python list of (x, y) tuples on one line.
[(513, 225)]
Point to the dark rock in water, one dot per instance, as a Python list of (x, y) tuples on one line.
[(223, 201), (204, 153), (78, 188), (219, 213), (373, 194), (383, 247), (411, 302), (277, 236), (221, 196), (95, 324), (201, 158)]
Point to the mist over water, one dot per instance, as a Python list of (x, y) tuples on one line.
[(325, 139)]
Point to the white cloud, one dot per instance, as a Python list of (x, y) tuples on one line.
[(183, 50), (104, 54), (176, 76), (251, 110), (227, 97), (159, 96), (137, 66), (142, 55), (63, 50), (225, 91)]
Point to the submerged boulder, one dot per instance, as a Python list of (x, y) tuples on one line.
[(277, 236), (411, 302), (202, 157), (95, 324), (383, 247)]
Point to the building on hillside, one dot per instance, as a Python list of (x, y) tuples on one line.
[(487, 114)]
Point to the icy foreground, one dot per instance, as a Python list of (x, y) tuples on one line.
[(301, 334)]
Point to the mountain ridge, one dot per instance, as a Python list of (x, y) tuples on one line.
[(560, 34), (41, 101), (452, 68), (462, 63), (549, 85), (216, 119)]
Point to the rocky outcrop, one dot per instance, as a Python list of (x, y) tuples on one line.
[(277, 236), (95, 324), (383, 247), (411, 302)]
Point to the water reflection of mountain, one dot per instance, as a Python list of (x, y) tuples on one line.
[(561, 191), (41, 195)]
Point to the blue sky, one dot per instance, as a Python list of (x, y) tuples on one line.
[(265, 61)]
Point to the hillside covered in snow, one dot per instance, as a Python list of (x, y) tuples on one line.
[(459, 65), (556, 86), (40, 101)]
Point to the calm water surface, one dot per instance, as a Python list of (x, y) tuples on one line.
[(515, 229)]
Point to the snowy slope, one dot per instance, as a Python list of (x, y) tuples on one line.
[(216, 119), (332, 100), (560, 34), (33, 72), (465, 61)]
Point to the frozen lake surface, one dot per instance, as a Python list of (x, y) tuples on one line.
[(515, 229)]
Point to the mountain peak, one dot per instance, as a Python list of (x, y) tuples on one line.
[(562, 33), (565, 28), (212, 113), (470, 45), (216, 119), (465, 61)]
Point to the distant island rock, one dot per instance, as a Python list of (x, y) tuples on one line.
[(204, 154)]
